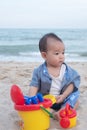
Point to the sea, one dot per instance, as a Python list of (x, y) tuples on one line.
[(22, 44)]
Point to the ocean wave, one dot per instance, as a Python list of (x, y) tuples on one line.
[(36, 57), (72, 55), (16, 43), (21, 58), (29, 53), (18, 39), (83, 54), (23, 43)]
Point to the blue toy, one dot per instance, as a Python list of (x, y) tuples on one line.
[(27, 100), (34, 100)]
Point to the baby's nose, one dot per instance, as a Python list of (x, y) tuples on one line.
[(61, 56)]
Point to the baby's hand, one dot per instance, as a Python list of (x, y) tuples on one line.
[(60, 98)]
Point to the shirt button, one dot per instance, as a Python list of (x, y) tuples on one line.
[(44, 71)]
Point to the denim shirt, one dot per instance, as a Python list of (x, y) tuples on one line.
[(42, 79)]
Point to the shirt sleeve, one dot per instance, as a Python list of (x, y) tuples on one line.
[(71, 77), (35, 79), (76, 80), (74, 77)]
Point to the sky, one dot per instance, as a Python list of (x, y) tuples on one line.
[(43, 13)]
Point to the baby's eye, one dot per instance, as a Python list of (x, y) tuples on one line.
[(63, 53), (56, 53)]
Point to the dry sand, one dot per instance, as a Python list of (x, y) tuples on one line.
[(20, 74)]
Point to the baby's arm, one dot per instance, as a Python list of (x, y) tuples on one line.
[(68, 90), (34, 84), (33, 91)]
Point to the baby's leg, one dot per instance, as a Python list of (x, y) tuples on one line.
[(76, 105), (56, 114), (55, 110)]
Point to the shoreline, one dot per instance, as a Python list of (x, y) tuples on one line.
[(39, 62), (20, 73), (40, 59)]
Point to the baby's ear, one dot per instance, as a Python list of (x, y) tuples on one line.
[(43, 54)]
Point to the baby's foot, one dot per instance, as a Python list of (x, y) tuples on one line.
[(56, 115)]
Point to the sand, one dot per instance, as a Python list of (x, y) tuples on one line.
[(20, 73)]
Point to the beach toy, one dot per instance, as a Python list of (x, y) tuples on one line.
[(51, 97), (68, 117), (34, 99), (27, 100), (17, 95), (40, 97), (48, 112), (33, 117)]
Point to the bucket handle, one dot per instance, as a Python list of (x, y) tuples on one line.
[(49, 113)]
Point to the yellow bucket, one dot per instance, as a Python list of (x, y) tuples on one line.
[(33, 117), (51, 97)]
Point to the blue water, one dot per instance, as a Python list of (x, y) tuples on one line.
[(22, 44)]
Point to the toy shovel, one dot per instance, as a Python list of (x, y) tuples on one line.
[(49, 113), (17, 95)]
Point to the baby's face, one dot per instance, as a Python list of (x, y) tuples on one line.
[(55, 52)]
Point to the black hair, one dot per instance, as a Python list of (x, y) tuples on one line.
[(43, 41)]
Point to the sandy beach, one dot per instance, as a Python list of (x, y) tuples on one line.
[(20, 73)]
